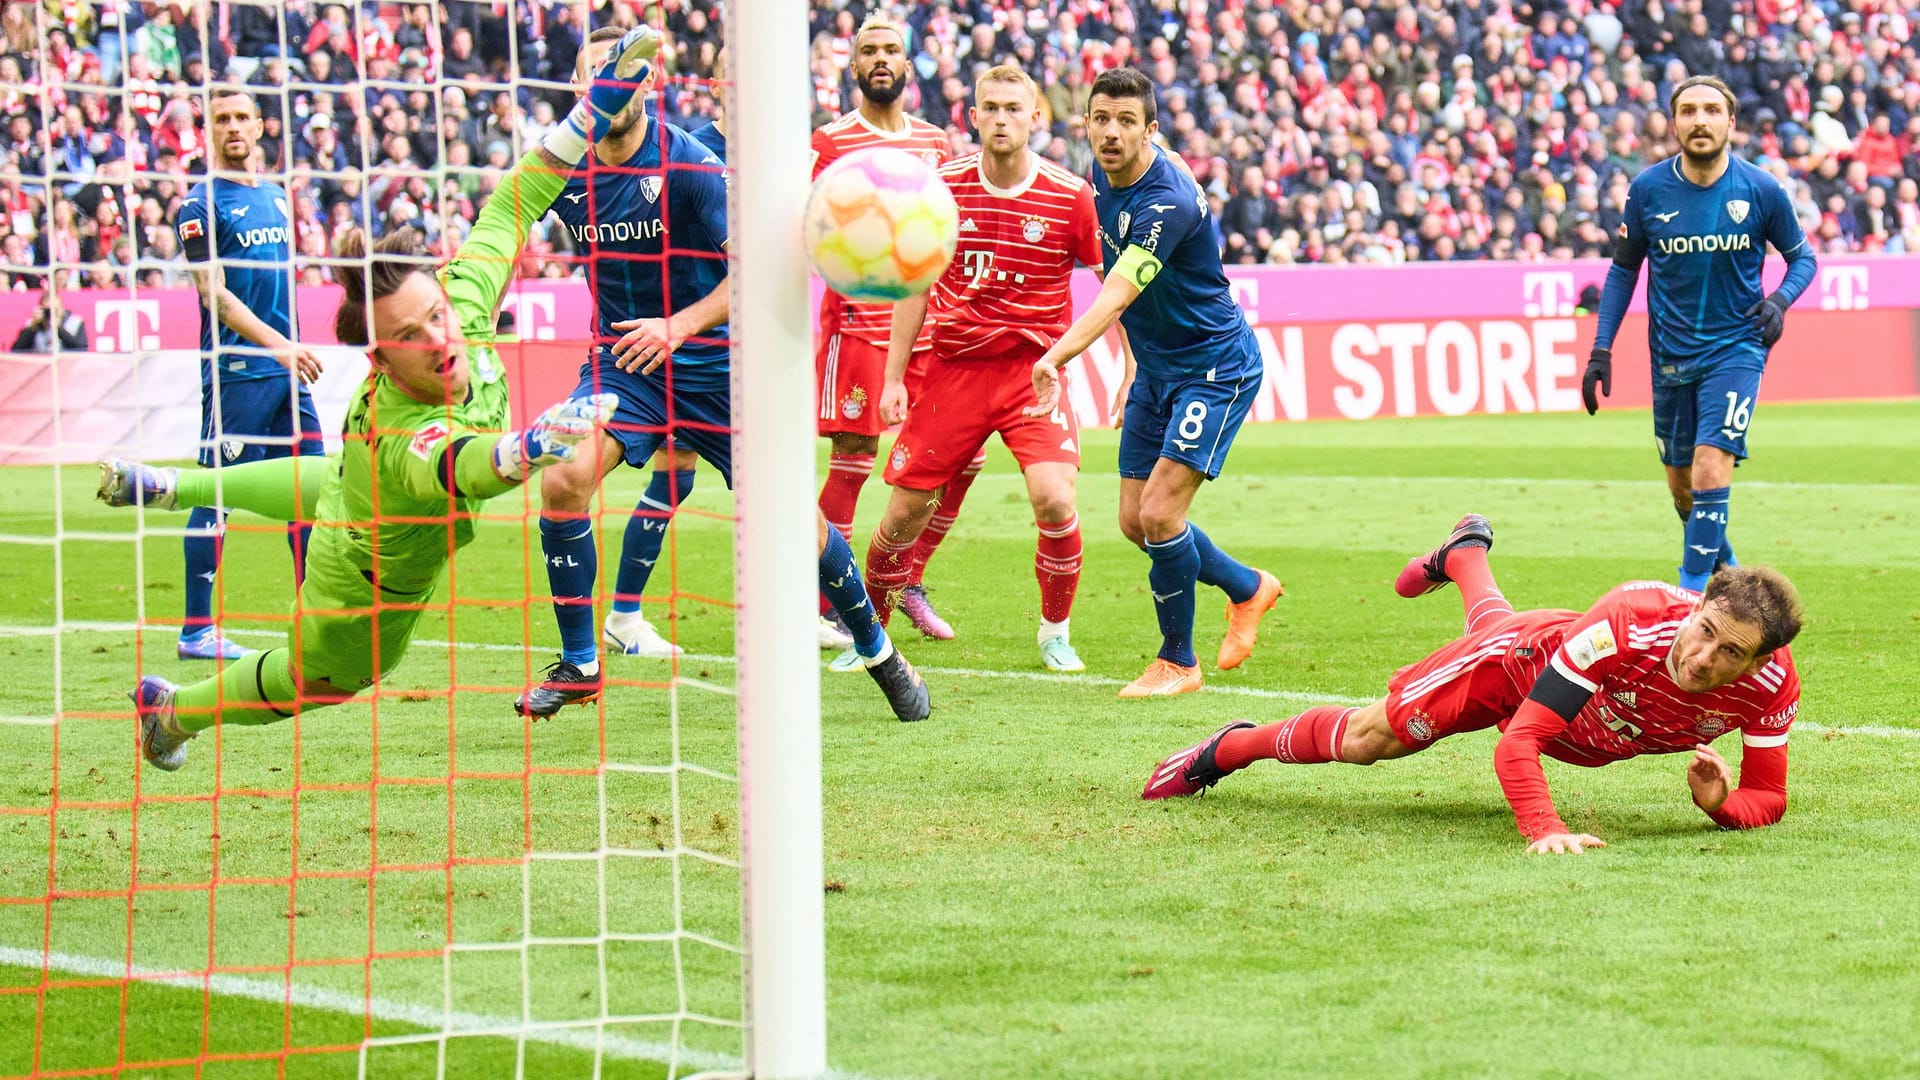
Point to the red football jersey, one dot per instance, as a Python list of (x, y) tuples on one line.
[(869, 322), (1008, 292), (1618, 649)]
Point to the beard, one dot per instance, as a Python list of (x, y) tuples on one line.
[(1699, 157), (880, 95), (630, 116)]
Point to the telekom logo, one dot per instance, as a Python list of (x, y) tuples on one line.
[(1547, 295), (533, 315), (122, 325), (1843, 288)]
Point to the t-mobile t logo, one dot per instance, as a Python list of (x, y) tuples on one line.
[(1843, 288), (533, 314), (1547, 295), (122, 325)]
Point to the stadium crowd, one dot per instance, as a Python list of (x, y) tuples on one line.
[(1324, 131)]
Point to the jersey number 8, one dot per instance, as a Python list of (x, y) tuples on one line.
[(1195, 420)]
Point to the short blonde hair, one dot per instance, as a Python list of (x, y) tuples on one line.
[(1007, 73), (880, 20)]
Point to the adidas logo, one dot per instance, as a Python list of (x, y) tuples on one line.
[(1626, 698), (969, 226)]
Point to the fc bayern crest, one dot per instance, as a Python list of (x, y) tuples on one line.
[(1710, 726), (1033, 229), (650, 187), (1419, 728), (1737, 210), (854, 403), (899, 458)]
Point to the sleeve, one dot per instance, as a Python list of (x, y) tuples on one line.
[(1761, 797), (1085, 228), (1155, 231), (192, 226), (1516, 761), (480, 270), (1629, 251), (438, 462), (702, 191), (1786, 236), (823, 153)]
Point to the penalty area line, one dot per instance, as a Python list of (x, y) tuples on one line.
[(438, 1024)]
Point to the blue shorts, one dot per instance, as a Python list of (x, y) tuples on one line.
[(1712, 410), (253, 409), (697, 420), (1191, 421)]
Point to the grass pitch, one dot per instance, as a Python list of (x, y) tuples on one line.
[(1000, 903)]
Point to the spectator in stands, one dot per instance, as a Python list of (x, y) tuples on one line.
[(51, 326)]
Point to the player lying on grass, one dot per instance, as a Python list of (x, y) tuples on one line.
[(423, 453), (1649, 669)]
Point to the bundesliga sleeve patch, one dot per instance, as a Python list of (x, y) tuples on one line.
[(429, 437), (1592, 645), (192, 229)]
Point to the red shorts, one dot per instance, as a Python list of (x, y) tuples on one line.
[(958, 403), (1473, 683), (851, 373)]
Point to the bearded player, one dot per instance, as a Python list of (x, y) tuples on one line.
[(850, 355), (1649, 669), (1702, 221), (423, 452), (1006, 296), (652, 214), (1193, 373), (237, 234)]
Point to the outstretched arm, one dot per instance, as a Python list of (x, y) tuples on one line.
[(465, 465), (478, 275), (1122, 287)]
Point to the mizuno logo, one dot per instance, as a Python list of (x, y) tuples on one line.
[(241, 211), (1186, 446), (575, 197), (1668, 216), (1703, 550), (1161, 208)]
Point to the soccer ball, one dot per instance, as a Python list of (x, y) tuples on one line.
[(881, 225)]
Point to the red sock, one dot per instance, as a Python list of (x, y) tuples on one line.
[(1480, 598), (943, 517), (1056, 563), (846, 475), (1311, 738), (887, 568)]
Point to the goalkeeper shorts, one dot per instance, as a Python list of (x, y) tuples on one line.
[(350, 633)]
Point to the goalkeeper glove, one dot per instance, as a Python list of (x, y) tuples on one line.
[(1770, 318), (553, 437), (612, 89), (1599, 375)]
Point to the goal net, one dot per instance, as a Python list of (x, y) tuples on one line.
[(418, 881)]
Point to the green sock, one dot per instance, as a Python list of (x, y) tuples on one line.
[(256, 689), (283, 489)]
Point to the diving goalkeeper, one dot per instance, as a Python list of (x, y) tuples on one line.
[(423, 452)]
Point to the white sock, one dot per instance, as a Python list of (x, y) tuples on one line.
[(591, 667), (1051, 630), (886, 650)]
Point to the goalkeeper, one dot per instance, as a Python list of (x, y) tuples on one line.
[(420, 458)]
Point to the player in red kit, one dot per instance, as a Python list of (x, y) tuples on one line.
[(850, 354), (1003, 300), (1649, 669)]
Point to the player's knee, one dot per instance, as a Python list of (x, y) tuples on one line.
[(1161, 520), (1712, 468), (1130, 528), (1052, 505)]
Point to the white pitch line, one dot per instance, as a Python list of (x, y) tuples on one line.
[(1573, 481), (452, 1023), (1291, 697)]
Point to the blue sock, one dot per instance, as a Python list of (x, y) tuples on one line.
[(1726, 554), (1706, 534), (646, 531), (299, 535), (1175, 572), (202, 549), (1222, 571), (840, 582), (571, 567)]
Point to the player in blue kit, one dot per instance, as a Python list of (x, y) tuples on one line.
[(1703, 220), (1194, 371), (237, 234), (619, 215)]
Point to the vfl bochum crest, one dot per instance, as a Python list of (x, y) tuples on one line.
[(650, 187), (1737, 210), (1126, 219)]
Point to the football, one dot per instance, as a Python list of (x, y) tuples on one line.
[(880, 225)]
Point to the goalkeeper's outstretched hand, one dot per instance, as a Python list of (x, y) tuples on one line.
[(618, 79), (553, 437)]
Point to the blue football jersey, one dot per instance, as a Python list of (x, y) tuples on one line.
[(249, 228), (1706, 246), (1185, 321), (712, 138), (621, 217)]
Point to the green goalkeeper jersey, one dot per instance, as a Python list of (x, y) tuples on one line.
[(411, 476)]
